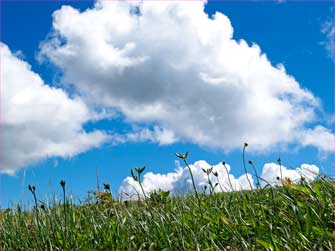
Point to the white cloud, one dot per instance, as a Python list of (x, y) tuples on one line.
[(173, 66), (38, 121), (320, 137), (157, 135), (271, 171), (179, 182)]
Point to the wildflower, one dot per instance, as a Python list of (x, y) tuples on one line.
[(287, 182)]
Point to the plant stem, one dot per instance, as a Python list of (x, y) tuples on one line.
[(194, 187), (245, 168), (193, 183), (231, 185), (255, 173)]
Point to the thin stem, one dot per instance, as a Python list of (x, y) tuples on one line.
[(194, 187), (193, 183), (245, 168), (62, 183), (231, 185), (210, 184), (257, 177), (140, 183), (65, 211), (280, 168), (219, 184)]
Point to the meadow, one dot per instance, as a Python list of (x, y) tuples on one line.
[(292, 216)]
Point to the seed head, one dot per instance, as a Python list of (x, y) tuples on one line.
[(182, 156), (31, 188), (107, 186), (62, 183), (215, 173), (250, 162)]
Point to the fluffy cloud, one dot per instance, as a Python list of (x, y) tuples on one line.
[(38, 121), (171, 65), (179, 182), (271, 171)]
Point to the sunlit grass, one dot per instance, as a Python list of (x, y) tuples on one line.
[(289, 217)]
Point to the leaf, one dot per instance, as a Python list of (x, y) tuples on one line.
[(308, 221), (142, 169), (301, 189), (179, 155), (318, 191), (59, 237), (182, 156), (265, 244), (133, 175)]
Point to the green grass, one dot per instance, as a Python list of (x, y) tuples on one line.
[(292, 217)]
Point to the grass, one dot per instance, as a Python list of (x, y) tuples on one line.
[(290, 217)]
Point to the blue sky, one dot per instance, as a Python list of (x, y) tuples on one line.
[(290, 33)]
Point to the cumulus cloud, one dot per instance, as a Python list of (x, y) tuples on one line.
[(38, 121), (171, 65), (271, 171), (179, 182)]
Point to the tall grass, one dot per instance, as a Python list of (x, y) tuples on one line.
[(290, 217)]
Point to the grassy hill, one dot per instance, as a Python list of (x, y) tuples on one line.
[(291, 217)]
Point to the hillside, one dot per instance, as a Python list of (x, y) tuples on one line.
[(291, 217)]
